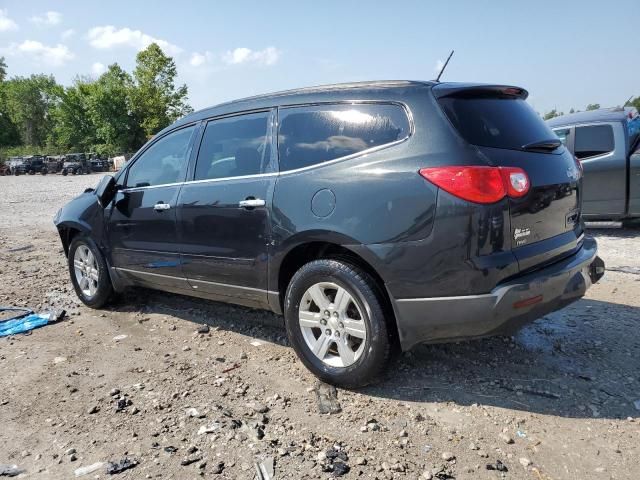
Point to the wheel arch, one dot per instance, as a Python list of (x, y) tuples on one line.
[(316, 249), (68, 230)]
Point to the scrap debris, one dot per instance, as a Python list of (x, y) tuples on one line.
[(26, 320)]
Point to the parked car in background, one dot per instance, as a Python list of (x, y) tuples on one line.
[(373, 215), (607, 144), (97, 163), (17, 166), (53, 163), (4, 168), (35, 164), (76, 164)]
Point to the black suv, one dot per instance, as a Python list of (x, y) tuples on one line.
[(372, 215)]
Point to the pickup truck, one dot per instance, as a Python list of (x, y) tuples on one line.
[(607, 144)]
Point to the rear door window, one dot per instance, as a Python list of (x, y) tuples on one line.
[(593, 140), (235, 147), (496, 121), (316, 134)]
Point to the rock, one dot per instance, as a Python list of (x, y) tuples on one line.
[(59, 360), (121, 465), (340, 469), (525, 462), (114, 391), (473, 446), (70, 451), (448, 456), (483, 454), (172, 328), (205, 329), (361, 461), (321, 456), (192, 412), (73, 457), (186, 348), (332, 454), (118, 338), (94, 409), (327, 398), (94, 467), (506, 438), (499, 466), (427, 475), (219, 467), (403, 433), (259, 408), (190, 459), (10, 470)]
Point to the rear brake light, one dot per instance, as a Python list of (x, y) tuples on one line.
[(479, 184)]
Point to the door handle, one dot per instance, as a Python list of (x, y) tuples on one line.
[(252, 203), (161, 206)]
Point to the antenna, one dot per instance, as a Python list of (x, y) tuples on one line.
[(444, 66)]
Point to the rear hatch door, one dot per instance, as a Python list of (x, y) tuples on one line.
[(545, 223)]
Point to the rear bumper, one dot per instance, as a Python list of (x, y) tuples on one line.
[(505, 309)]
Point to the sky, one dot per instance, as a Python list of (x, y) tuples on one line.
[(566, 54)]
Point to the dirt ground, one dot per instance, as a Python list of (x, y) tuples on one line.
[(137, 380)]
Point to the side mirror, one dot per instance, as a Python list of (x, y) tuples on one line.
[(106, 190)]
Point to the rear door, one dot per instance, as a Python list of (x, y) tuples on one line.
[(142, 221), (223, 213), (545, 224), (601, 149)]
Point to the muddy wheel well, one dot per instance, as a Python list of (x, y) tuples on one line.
[(308, 252), (66, 235)]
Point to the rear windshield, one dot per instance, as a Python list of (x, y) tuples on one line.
[(496, 121)]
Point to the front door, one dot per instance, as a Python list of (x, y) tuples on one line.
[(223, 214), (142, 218)]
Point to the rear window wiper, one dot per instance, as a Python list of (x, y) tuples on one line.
[(543, 145)]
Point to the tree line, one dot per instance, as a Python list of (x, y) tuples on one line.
[(113, 114)]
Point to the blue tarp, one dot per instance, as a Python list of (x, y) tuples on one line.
[(24, 321)]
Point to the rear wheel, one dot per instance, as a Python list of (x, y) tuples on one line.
[(89, 273), (632, 223), (336, 323), (64, 172)]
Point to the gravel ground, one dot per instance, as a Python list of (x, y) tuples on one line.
[(186, 388)]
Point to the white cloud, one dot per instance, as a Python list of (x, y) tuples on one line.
[(107, 37), (68, 34), (6, 24), (199, 59), (48, 18), (98, 68), (55, 56), (242, 55)]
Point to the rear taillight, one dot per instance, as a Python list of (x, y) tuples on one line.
[(479, 184)]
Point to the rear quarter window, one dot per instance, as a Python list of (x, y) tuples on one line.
[(593, 140), (316, 134)]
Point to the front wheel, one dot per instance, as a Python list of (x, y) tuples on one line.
[(335, 321), (89, 273)]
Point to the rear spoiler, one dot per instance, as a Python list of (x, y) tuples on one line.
[(471, 90)]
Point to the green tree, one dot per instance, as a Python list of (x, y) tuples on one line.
[(3, 69), (593, 106), (72, 128), (28, 104), (157, 102), (110, 110), (552, 114), (9, 135)]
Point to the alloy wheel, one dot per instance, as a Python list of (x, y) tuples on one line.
[(86, 270), (332, 324)]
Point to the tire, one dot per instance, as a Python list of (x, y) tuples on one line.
[(16, 172), (94, 294), (32, 172), (631, 223), (369, 355), (64, 172), (43, 171)]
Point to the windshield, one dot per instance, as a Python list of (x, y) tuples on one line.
[(496, 121)]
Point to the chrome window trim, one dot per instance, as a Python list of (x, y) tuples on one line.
[(277, 126), (226, 285)]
